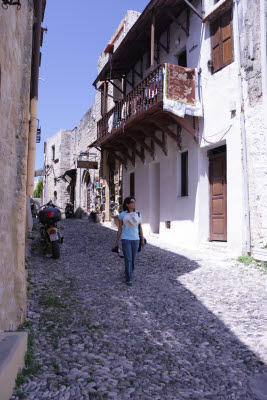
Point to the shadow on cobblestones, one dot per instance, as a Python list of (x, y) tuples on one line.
[(95, 337)]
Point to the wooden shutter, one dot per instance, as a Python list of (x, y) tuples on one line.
[(216, 45), (222, 41), (227, 38)]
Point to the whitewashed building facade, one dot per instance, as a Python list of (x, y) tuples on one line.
[(195, 157)]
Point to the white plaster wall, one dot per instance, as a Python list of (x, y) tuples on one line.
[(189, 216), (181, 211)]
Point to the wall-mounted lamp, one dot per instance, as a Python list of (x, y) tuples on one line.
[(6, 3)]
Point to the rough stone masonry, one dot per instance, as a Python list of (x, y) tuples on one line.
[(190, 328)]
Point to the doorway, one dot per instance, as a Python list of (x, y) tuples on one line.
[(218, 194), (154, 197)]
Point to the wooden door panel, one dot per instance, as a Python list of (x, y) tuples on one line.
[(218, 212), (218, 226), (217, 188), (217, 168), (218, 206)]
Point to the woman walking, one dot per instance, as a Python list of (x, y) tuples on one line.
[(129, 230)]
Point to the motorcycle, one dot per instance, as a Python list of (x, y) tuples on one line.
[(69, 210), (48, 216)]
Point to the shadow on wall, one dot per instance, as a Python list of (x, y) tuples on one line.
[(203, 357)]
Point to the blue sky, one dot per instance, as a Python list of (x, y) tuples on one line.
[(78, 31)]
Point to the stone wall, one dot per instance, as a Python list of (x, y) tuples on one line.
[(15, 64), (55, 168), (250, 34), (86, 134)]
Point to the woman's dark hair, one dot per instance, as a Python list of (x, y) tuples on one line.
[(127, 200)]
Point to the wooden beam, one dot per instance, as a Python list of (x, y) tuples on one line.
[(193, 9), (124, 151), (121, 160), (168, 132), (105, 99), (152, 54), (153, 136), (170, 15), (183, 123), (163, 47), (132, 148), (113, 84), (140, 75), (143, 144)]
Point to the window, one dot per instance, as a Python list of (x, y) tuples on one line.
[(53, 153), (132, 184), (222, 41), (184, 174), (182, 59)]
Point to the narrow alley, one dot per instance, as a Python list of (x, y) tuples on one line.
[(185, 330)]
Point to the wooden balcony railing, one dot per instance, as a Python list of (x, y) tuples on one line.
[(145, 95)]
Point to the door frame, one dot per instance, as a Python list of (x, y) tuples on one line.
[(212, 157)]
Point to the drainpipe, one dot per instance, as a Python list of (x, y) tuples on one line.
[(34, 96), (243, 138)]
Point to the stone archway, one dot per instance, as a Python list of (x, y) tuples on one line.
[(86, 191)]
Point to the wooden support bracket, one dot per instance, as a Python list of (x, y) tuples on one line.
[(124, 151), (152, 135), (185, 29), (117, 157), (133, 148), (169, 132), (143, 144), (184, 124), (113, 84), (139, 74)]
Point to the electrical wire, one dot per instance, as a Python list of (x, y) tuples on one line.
[(226, 130)]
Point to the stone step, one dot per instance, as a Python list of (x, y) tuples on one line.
[(220, 247), (13, 346)]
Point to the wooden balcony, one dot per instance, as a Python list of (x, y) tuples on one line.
[(140, 114)]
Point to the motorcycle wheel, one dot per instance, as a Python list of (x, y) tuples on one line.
[(55, 249)]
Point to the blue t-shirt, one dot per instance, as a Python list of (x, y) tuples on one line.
[(129, 233)]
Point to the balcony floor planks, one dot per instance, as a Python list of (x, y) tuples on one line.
[(135, 119)]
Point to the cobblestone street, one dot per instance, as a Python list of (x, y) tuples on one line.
[(187, 329)]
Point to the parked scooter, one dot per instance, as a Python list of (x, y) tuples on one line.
[(69, 210), (48, 216)]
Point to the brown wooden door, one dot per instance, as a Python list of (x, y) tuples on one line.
[(218, 197)]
